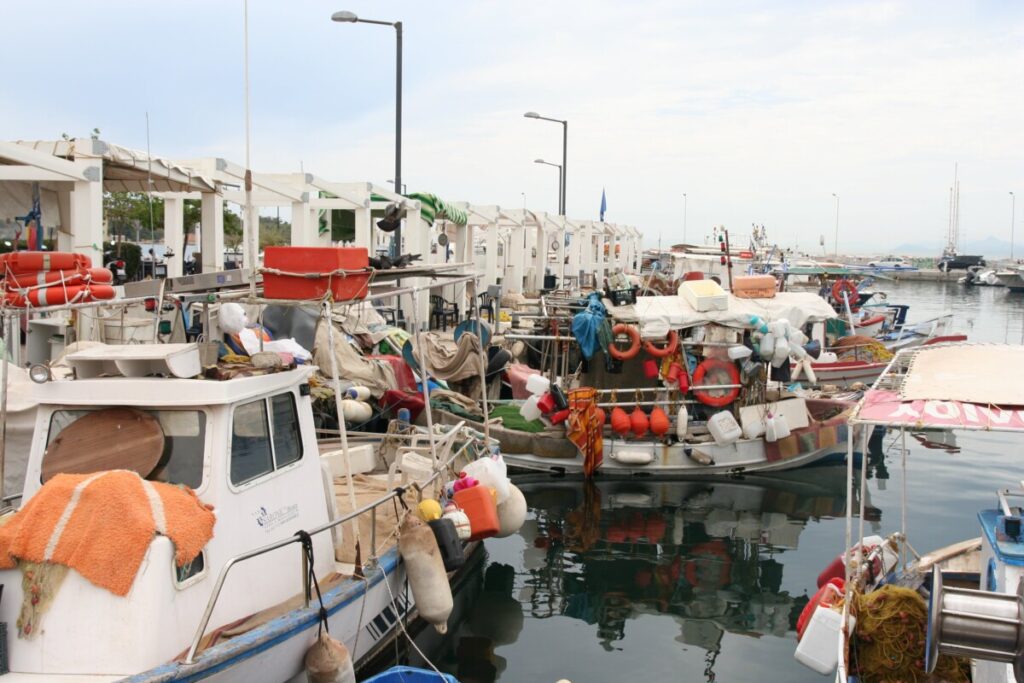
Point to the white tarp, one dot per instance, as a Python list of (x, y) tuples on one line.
[(657, 315), (986, 374)]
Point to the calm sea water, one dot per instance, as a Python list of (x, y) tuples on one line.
[(702, 581)]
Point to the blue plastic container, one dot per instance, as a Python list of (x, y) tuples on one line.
[(410, 674)]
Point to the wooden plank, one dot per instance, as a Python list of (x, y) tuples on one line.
[(109, 439)]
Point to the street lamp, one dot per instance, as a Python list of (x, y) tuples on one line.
[(351, 18), (1013, 209), (837, 225), (561, 209), (405, 187), (565, 151)]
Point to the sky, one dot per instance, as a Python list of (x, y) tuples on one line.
[(757, 112)]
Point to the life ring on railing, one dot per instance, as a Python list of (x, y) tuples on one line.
[(667, 350), (704, 554), (54, 296), (843, 285), (716, 366), (634, 342)]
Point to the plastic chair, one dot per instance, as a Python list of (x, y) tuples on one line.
[(442, 312)]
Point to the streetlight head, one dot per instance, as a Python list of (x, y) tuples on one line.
[(532, 115), (541, 161), (346, 17)]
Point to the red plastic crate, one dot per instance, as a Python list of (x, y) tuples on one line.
[(315, 260)]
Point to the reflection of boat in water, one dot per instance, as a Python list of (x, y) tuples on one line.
[(706, 552)]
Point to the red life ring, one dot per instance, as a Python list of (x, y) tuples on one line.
[(634, 342), (843, 285), (716, 399), (54, 296), (714, 551), (667, 350), (100, 276), (21, 262)]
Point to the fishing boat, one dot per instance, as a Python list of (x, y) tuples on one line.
[(956, 613), (247, 447), (978, 276), (1012, 277)]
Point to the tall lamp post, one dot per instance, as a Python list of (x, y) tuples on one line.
[(565, 151), (561, 180), (1013, 210), (351, 18), (837, 225)]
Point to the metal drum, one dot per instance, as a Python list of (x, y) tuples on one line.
[(975, 623)]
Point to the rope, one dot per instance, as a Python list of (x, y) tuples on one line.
[(307, 548)]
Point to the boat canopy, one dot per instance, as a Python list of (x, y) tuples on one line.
[(658, 314), (949, 387)]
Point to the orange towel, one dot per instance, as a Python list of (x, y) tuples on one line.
[(585, 428), (101, 525)]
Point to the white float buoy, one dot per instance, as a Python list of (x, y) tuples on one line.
[(328, 661), (425, 569)]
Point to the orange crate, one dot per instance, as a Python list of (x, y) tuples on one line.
[(478, 504), (316, 260)]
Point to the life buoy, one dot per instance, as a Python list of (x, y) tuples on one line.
[(634, 342), (843, 285), (716, 398), (870, 320), (100, 276), (714, 551), (54, 296), (746, 254), (20, 262), (667, 350)]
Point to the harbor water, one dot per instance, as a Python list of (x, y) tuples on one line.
[(703, 581)]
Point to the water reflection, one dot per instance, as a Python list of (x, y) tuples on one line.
[(702, 551)]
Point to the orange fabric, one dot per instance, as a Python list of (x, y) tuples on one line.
[(585, 428), (110, 523)]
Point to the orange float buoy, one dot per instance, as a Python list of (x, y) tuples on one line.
[(659, 422), (639, 422), (620, 421), (602, 417)]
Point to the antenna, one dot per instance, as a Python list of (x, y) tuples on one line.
[(149, 198)]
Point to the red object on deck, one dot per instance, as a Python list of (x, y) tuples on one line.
[(313, 260), (693, 275), (478, 504), (826, 596), (393, 400)]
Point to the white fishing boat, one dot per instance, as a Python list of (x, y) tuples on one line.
[(247, 448), (1012, 277), (964, 601)]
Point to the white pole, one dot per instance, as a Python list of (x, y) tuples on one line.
[(3, 406), (249, 209), (328, 318)]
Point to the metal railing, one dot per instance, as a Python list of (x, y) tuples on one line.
[(263, 550)]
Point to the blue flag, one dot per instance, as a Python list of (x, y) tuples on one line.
[(604, 204)]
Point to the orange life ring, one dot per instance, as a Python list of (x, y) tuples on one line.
[(715, 551), (54, 296), (667, 350), (843, 285), (100, 276), (21, 262), (634, 342), (716, 366)]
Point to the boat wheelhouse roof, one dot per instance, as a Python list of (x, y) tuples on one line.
[(949, 387), (171, 392)]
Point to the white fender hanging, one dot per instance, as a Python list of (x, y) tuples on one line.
[(328, 661), (511, 512), (425, 569)]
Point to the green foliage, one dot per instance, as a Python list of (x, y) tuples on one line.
[(127, 214)]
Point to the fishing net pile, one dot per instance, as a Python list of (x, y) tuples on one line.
[(859, 347), (889, 642)]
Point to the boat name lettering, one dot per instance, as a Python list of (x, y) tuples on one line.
[(271, 520)]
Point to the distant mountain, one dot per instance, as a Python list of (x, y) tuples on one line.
[(989, 247)]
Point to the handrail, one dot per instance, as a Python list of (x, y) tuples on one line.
[(222, 576)]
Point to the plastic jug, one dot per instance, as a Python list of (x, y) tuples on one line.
[(490, 471), (530, 410), (537, 384), (448, 543), (724, 428), (767, 346), (479, 505), (739, 351), (775, 428)]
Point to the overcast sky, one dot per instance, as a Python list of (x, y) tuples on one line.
[(758, 112)]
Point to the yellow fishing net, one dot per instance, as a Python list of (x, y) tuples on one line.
[(889, 640), (859, 347)]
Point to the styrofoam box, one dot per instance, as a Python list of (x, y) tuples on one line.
[(704, 295), (793, 409), (818, 649)]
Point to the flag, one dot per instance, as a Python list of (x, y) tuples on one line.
[(604, 204)]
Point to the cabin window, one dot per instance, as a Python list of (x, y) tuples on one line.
[(181, 461), (264, 437), (190, 569)]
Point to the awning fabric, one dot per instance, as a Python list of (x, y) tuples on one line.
[(433, 208)]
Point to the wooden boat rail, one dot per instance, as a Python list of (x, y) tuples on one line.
[(397, 492)]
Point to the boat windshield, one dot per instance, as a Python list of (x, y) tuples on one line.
[(184, 441)]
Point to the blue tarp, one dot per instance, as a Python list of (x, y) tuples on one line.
[(591, 328)]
